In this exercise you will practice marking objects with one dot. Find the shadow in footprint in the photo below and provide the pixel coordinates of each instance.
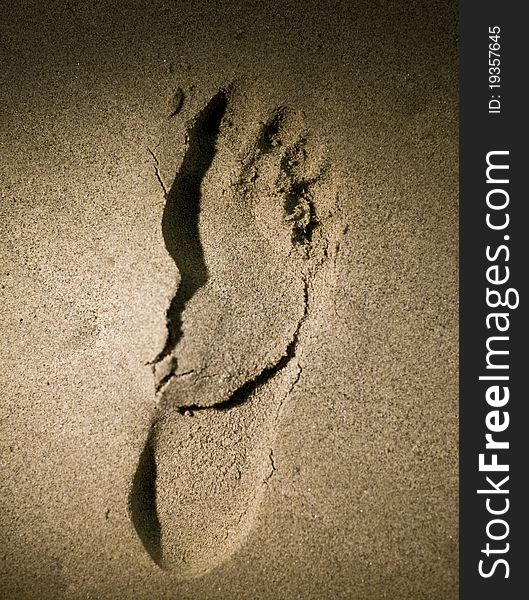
(180, 228)
(180, 224)
(142, 502)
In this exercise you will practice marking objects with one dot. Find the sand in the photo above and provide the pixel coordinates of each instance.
(229, 290)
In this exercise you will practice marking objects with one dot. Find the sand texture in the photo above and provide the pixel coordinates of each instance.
(229, 301)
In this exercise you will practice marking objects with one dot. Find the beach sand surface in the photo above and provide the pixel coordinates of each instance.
(284, 176)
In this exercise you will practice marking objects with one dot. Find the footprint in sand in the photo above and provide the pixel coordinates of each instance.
(245, 223)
